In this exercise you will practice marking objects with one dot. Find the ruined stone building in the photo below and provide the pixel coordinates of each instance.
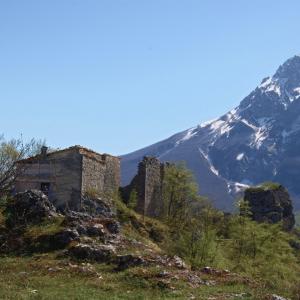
(68, 175)
(148, 186)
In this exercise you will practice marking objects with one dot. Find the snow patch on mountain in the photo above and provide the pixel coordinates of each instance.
(240, 156)
(207, 123)
(211, 166)
(189, 134)
(235, 188)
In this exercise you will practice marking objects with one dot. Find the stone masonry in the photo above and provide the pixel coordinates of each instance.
(68, 175)
(148, 186)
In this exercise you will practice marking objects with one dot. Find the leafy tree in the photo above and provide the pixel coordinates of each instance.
(180, 191)
(190, 217)
(10, 152)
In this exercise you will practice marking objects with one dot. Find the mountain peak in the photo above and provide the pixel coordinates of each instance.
(290, 68)
(257, 141)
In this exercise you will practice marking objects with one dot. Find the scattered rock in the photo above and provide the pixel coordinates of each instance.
(57, 241)
(216, 272)
(194, 280)
(95, 230)
(126, 261)
(97, 207)
(113, 226)
(164, 274)
(29, 207)
(276, 297)
(99, 253)
(179, 263)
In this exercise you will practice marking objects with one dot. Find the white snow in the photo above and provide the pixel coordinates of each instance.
(212, 168)
(271, 85)
(249, 124)
(240, 156)
(274, 88)
(236, 187)
(259, 137)
(205, 124)
(190, 133)
(297, 90)
(220, 127)
(265, 83)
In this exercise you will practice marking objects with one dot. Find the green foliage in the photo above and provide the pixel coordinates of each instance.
(48, 227)
(10, 152)
(263, 251)
(269, 185)
(180, 191)
(92, 193)
(132, 202)
(203, 236)
(198, 241)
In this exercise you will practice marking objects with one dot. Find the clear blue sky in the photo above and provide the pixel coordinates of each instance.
(117, 75)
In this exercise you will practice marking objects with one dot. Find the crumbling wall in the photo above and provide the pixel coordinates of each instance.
(112, 176)
(148, 186)
(70, 173)
(100, 174)
(62, 170)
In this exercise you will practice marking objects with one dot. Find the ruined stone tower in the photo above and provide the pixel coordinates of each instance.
(148, 186)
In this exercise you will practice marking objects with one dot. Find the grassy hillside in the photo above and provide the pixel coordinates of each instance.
(53, 275)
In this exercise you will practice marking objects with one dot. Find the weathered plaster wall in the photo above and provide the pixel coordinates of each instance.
(62, 170)
(71, 174)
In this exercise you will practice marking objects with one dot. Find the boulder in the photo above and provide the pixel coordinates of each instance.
(57, 241)
(97, 207)
(272, 204)
(29, 207)
(95, 230)
(276, 297)
(98, 253)
(126, 261)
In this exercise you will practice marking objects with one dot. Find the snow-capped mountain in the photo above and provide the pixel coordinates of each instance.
(257, 141)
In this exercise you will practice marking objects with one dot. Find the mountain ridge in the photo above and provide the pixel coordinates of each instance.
(254, 142)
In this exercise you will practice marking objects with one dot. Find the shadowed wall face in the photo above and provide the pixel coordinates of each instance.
(148, 186)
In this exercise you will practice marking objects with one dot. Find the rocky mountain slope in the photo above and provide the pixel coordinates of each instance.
(257, 141)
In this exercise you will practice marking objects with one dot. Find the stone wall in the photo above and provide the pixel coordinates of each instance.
(112, 177)
(62, 170)
(100, 175)
(71, 173)
(148, 186)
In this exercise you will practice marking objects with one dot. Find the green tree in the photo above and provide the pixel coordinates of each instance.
(180, 191)
(10, 152)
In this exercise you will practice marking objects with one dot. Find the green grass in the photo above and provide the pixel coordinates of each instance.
(48, 227)
(45, 276)
(29, 278)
